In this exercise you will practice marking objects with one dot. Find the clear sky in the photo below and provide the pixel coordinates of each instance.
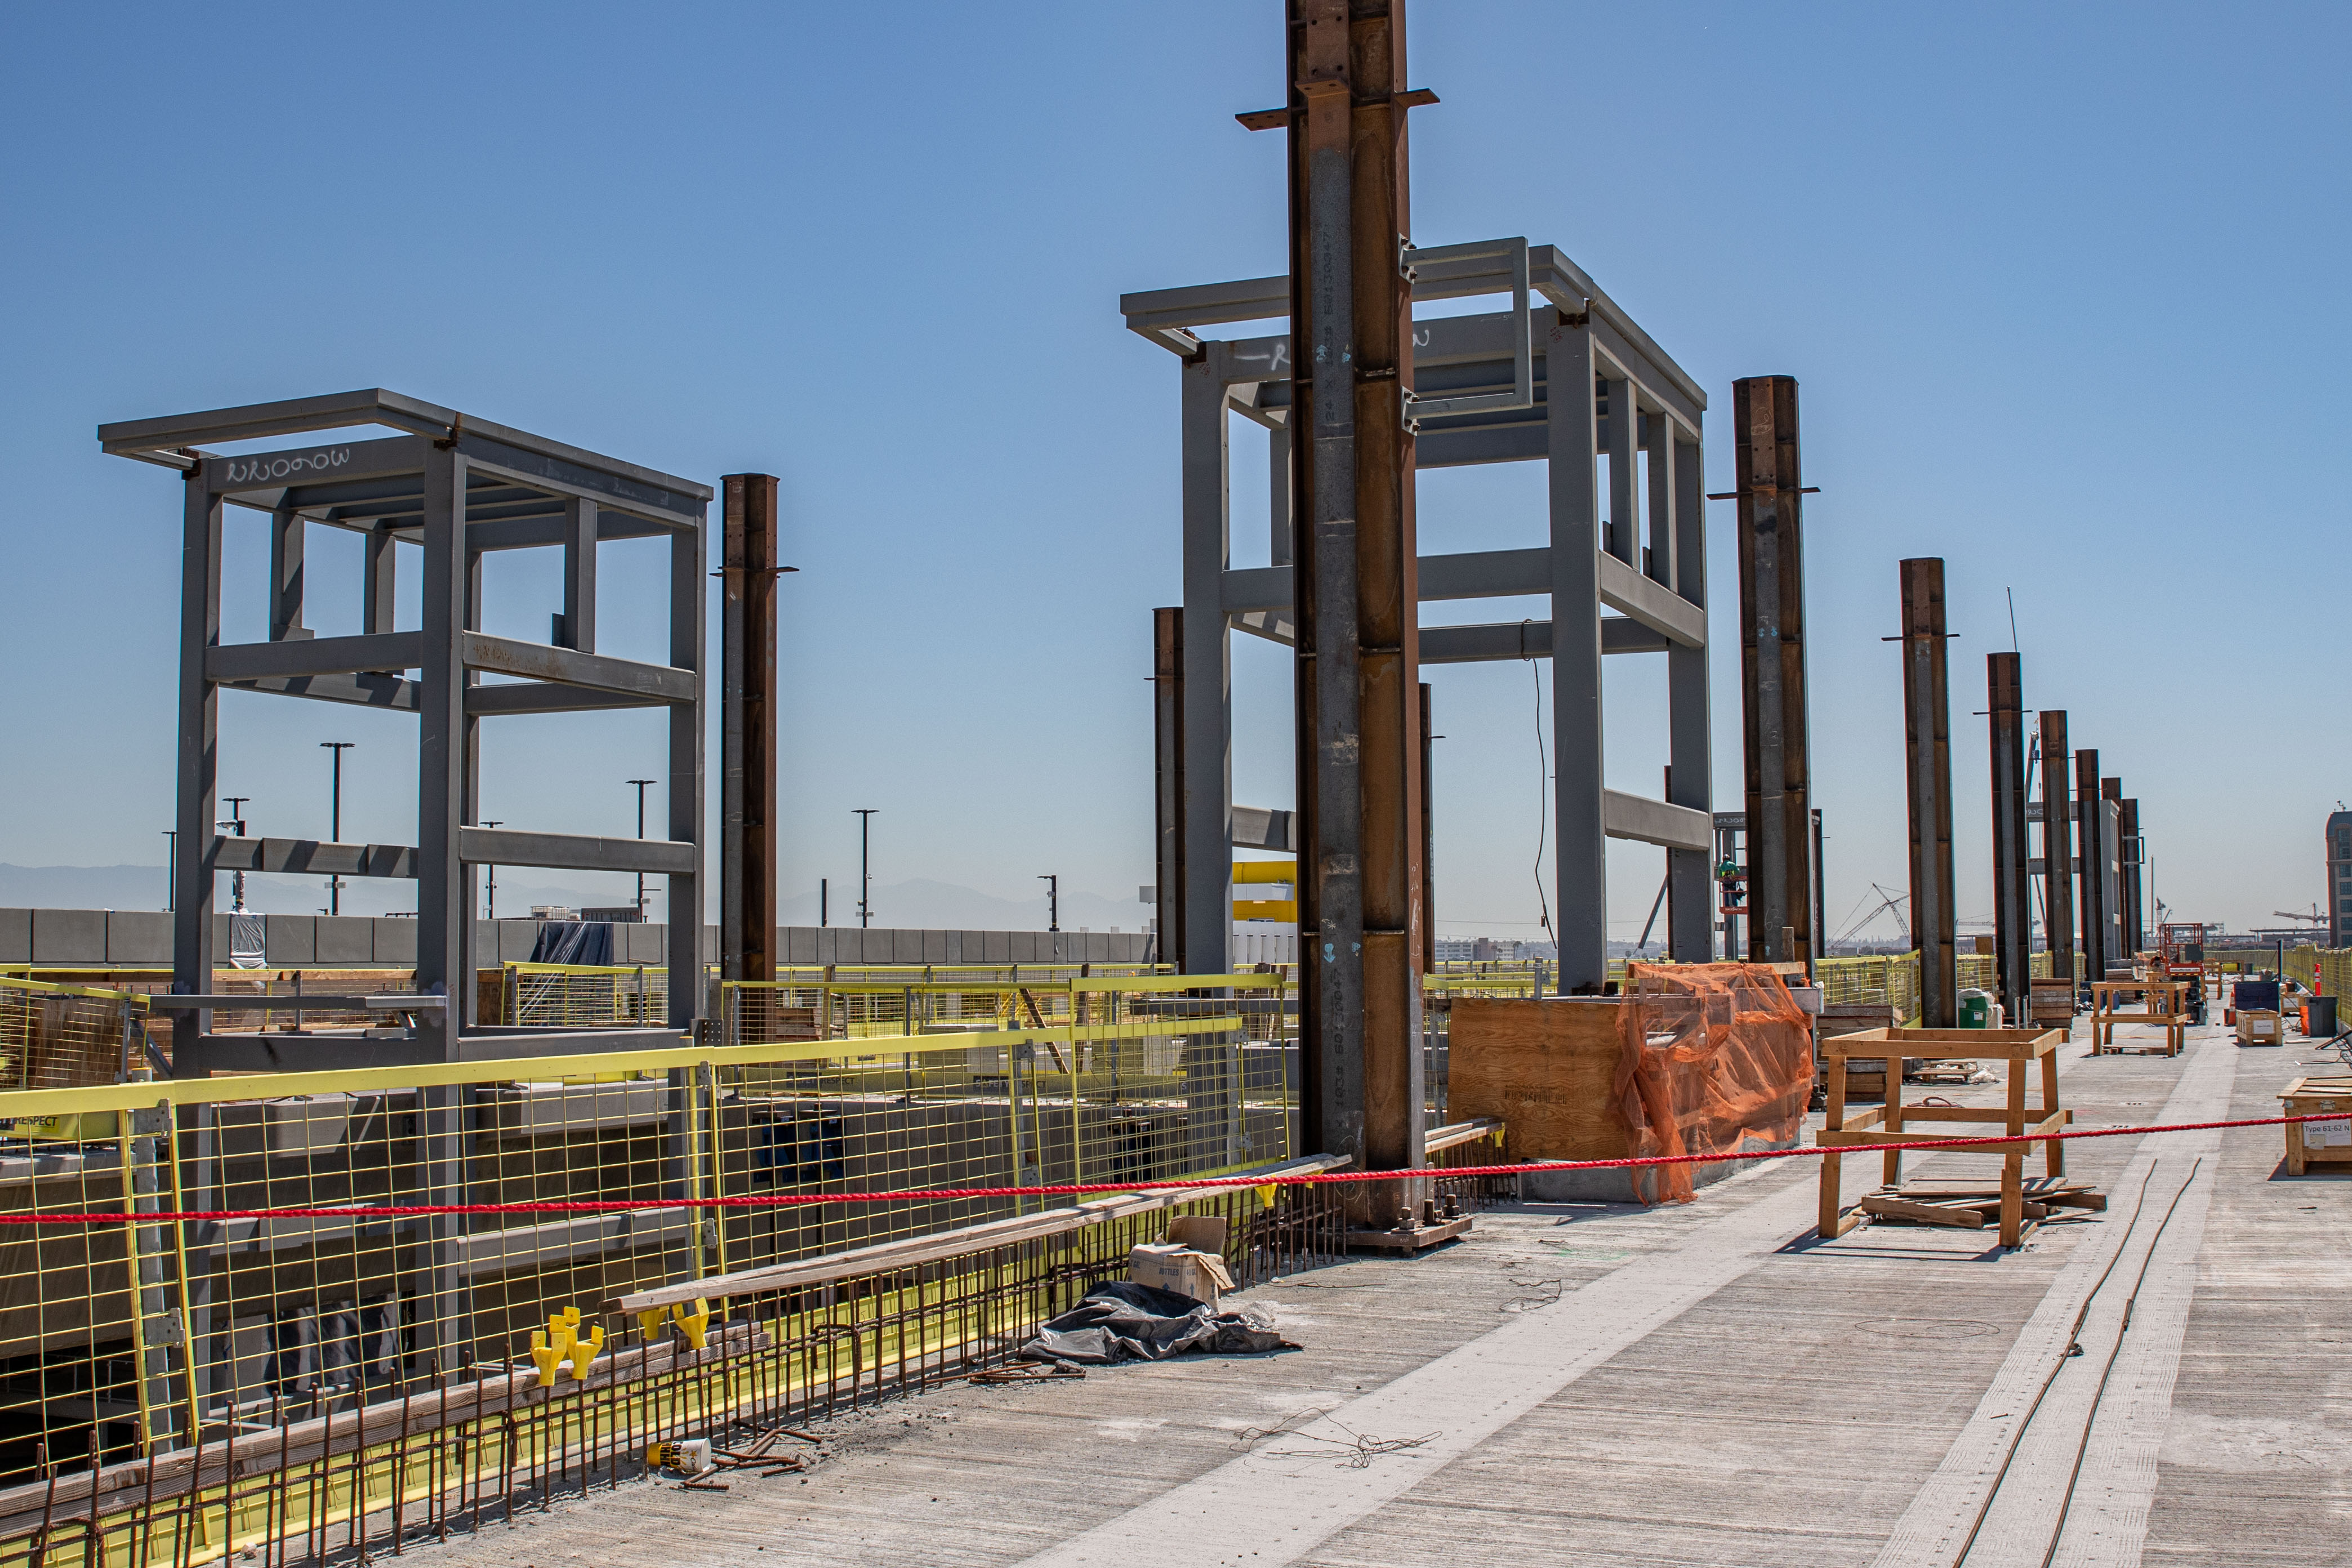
(2061, 286)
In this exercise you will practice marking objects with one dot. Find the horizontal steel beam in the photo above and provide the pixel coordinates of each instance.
(1656, 822)
(390, 692)
(158, 440)
(312, 857)
(546, 697)
(384, 652)
(1255, 828)
(1471, 574)
(594, 671)
(1652, 603)
(575, 852)
(340, 462)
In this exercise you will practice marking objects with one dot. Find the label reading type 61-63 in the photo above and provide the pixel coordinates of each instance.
(2335, 1132)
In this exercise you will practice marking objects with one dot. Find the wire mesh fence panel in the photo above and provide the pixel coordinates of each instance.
(62, 1037)
(573, 995)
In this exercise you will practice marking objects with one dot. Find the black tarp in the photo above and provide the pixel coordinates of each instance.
(572, 941)
(1126, 1321)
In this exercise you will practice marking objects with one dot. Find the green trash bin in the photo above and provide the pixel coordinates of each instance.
(1976, 1009)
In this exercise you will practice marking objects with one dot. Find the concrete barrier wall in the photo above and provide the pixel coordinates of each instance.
(142, 939)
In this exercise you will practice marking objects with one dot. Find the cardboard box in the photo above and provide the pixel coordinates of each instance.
(1191, 1262)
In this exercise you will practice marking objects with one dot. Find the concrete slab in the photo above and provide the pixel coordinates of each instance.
(395, 941)
(345, 939)
(15, 936)
(291, 941)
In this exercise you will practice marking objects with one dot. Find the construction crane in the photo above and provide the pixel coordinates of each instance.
(1889, 903)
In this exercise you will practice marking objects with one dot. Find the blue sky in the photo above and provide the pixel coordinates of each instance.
(2059, 285)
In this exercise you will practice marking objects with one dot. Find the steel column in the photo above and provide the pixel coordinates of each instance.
(1928, 768)
(576, 628)
(1581, 886)
(287, 532)
(444, 918)
(1168, 783)
(689, 559)
(1358, 684)
(1690, 781)
(1207, 689)
(381, 572)
(2012, 906)
(747, 731)
(2134, 923)
(199, 761)
(1428, 836)
(2057, 847)
(1772, 666)
(2090, 866)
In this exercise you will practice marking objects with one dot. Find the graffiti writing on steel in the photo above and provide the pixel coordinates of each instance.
(287, 464)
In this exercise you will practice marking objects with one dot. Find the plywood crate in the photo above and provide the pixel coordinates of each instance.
(2327, 1143)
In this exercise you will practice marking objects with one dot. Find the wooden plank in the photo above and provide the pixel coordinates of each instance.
(1885, 1207)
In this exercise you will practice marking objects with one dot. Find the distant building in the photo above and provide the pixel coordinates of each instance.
(2339, 879)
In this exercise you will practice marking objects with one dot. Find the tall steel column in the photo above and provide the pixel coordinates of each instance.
(1573, 430)
(1690, 781)
(1206, 692)
(1168, 781)
(1428, 836)
(1928, 771)
(199, 759)
(689, 559)
(2057, 846)
(2134, 912)
(444, 928)
(1772, 666)
(2012, 906)
(1355, 594)
(747, 729)
(2090, 872)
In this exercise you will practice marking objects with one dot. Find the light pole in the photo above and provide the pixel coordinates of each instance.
(172, 887)
(335, 821)
(641, 786)
(1053, 902)
(235, 820)
(865, 876)
(490, 887)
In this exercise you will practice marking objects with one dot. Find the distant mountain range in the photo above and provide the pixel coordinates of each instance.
(920, 903)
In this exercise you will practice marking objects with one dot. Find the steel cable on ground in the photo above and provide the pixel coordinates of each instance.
(2073, 1337)
(1080, 1189)
(2114, 1352)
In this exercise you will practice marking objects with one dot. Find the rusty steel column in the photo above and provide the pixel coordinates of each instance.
(1355, 592)
(2135, 921)
(2057, 847)
(2091, 856)
(1168, 783)
(747, 731)
(1772, 668)
(1928, 774)
(2012, 894)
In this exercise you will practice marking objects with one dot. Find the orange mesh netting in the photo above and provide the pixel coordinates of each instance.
(1717, 1057)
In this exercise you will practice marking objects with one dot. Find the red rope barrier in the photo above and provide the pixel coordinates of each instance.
(1213, 1183)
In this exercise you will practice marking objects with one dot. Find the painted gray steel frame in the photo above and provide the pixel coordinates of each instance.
(1660, 591)
(457, 488)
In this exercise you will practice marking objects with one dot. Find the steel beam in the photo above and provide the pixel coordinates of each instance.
(1168, 781)
(382, 653)
(1358, 681)
(389, 692)
(1623, 588)
(1646, 821)
(2091, 877)
(593, 671)
(1928, 771)
(311, 856)
(747, 729)
(2057, 847)
(1255, 828)
(1772, 669)
(2012, 906)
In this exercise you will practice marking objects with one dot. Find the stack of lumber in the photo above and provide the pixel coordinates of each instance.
(1968, 1204)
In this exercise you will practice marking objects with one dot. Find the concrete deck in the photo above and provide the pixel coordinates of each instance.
(1705, 1383)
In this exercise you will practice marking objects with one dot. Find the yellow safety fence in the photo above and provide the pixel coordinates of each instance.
(122, 1341)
